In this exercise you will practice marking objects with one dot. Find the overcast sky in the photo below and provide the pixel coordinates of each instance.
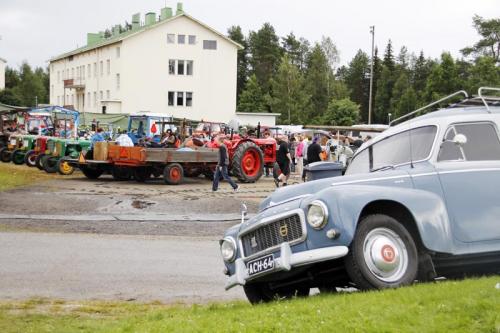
(35, 30)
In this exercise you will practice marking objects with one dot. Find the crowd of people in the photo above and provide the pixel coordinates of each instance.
(296, 151)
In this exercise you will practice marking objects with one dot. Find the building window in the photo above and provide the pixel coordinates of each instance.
(82, 71)
(88, 99)
(180, 67)
(189, 99)
(210, 44)
(95, 99)
(181, 39)
(108, 95)
(108, 66)
(101, 95)
(171, 97)
(171, 67)
(72, 73)
(189, 67)
(118, 52)
(88, 71)
(58, 100)
(180, 98)
(117, 81)
(95, 69)
(192, 39)
(101, 68)
(58, 76)
(170, 39)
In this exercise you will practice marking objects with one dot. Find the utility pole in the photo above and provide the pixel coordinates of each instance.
(372, 31)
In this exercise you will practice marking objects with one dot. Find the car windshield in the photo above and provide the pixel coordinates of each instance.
(395, 150)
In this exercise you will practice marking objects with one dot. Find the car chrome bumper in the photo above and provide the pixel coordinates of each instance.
(286, 261)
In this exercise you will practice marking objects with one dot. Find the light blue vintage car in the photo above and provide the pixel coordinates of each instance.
(420, 201)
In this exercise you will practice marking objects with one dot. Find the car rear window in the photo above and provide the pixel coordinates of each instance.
(482, 143)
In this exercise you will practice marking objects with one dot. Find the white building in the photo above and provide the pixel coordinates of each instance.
(2, 73)
(173, 65)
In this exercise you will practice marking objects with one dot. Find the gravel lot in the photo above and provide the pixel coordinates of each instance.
(76, 239)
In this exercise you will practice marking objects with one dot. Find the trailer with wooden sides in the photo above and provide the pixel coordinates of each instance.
(141, 163)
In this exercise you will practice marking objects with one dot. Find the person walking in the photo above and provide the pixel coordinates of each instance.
(284, 160)
(221, 169)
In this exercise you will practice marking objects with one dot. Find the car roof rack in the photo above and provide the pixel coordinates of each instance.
(460, 92)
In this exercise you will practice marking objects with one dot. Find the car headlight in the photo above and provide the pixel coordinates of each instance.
(317, 215)
(228, 249)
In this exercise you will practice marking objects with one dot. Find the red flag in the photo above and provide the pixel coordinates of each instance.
(153, 128)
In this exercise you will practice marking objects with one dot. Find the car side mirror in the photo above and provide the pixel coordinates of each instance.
(460, 140)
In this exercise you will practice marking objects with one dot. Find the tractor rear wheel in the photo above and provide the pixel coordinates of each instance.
(173, 174)
(49, 163)
(91, 173)
(121, 173)
(30, 158)
(18, 157)
(38, 161)
(5, 155)
(141, 174)
(248, 162)
(64, 168)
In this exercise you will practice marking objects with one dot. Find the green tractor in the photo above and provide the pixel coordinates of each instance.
(59, 151)
(17, 147)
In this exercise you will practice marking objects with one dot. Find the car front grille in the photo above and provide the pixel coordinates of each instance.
(272, 234)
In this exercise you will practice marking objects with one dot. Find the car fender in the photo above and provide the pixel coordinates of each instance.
(428, 210)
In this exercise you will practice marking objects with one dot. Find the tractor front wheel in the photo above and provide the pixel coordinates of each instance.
(38, 161)
(5, 155)
(49, 163)
(248, 162)
(173, 174)
(18, 157)
(30, 158)
(64, 168)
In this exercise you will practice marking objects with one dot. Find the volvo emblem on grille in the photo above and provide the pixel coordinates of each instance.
(283, 230)
(253, 241)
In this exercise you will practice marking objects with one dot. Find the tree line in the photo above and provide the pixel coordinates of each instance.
(304, 84)
(25, 86)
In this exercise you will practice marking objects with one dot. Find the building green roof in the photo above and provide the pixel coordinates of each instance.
(130, 33)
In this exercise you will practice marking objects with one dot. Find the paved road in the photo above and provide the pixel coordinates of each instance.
(87, 266)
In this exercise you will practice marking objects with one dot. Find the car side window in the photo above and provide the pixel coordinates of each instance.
(482, 143)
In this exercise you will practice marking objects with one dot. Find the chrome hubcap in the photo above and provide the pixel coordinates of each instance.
(385, 254)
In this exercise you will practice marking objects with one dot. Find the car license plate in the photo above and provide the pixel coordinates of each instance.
(260, 265)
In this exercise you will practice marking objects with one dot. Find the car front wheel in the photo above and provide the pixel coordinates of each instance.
(383, 254)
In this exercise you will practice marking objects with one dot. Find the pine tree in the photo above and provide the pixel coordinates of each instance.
(483, 73)
(443, 79)
(358, 82)
(289, 99)
(31, 86)
(403, 98)
(389, 57)
(252, 98)
(317, 81)
(235, 34)
(265, 55)
(489, 44)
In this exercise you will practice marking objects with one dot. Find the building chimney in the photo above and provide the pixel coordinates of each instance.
(136, 21)
(150, 18)
(179, 9)
(166, 13)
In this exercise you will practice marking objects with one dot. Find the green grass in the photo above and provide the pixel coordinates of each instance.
(12, 176)
(452, 306)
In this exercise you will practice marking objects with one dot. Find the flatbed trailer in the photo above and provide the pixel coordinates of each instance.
(140, 163)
